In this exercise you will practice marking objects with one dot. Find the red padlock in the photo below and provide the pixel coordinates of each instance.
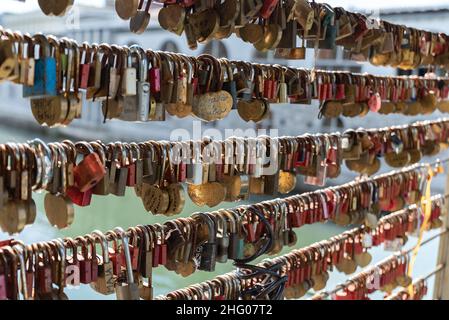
(341, 295)
(274, 90)
(81, 199)
(388, 233)
(115, 256)
(298, 275)
(358, 246)
(340, 93)
(156, 255)
(85, 262)
(267, 88)
(85, 66)
(322, 91)
(90, 170)
(308, 211)
(187, 3)
(295, 219)
(154, 74)
(6, 243)
(268, 8)
(131, 165)
(182, 171)
(331, 203)
(330, 91)
(11, 280)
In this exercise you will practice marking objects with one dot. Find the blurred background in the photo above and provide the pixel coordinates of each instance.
(96, 21)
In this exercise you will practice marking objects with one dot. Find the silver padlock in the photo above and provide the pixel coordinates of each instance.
(129, 80)
(137, 107)
(128, 290)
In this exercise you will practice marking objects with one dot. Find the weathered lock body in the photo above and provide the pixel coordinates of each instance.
(126, 290)
(209, 252)
(118, 182)
(45, 84)
(105, 282)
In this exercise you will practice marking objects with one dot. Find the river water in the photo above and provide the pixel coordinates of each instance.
(105, 213)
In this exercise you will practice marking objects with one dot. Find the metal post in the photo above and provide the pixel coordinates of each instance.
(441, 286)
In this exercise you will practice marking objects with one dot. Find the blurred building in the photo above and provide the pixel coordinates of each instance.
(102, 25)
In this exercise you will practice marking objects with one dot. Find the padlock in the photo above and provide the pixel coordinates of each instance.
(43, 273)
(154, 74)
(90, 170)
(81, 199)
(27, 63)
(163, 248)
(45, 84)
(129, 80)
(209, 252)
(137, 107)
(126, 290)
(230, 85)
(268, 8)
(102, 187)
(131, 177)
(146, 258)
(119, 174)
(19, 249)
(85, 65)
(105, 282)
(85, 262)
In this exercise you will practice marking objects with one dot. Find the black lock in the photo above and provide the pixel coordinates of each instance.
(236, 240)
(209, 250)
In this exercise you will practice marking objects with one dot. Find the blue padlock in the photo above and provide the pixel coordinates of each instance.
(45, 84)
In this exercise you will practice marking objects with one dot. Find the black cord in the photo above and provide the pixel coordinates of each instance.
(269, 238)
